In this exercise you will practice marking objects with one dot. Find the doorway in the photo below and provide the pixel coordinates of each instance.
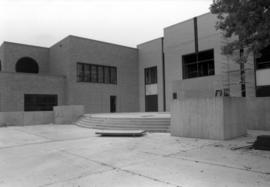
(151, 103)
(112, 103)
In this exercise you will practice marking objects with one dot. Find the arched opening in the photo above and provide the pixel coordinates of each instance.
(27, 65)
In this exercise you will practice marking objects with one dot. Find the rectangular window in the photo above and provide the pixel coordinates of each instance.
(39, 102)
(263, 62)
(87, 74)
(150, 75)
(80, 72)
(96, 73)
(106, 75)
(93, 73)
(100, 74)
(198, 65)
(113, 75)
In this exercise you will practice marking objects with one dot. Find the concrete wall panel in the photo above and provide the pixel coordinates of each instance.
(258, 113)
(211, 118)
(14, 51)
(96, 97)
(13, 86)
(67, 114)
(150, 54)
(25, 118)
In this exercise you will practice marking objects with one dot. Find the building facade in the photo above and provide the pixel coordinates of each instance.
(105, 77)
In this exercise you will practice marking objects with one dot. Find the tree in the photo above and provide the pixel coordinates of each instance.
(248, 23)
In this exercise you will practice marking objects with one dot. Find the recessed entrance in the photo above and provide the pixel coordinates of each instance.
(112, 103)
(151, 103)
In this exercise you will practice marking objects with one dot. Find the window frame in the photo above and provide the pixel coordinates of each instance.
(263, 62)
(38, 104)
(149, 71)
(197, 63)
(97, 73)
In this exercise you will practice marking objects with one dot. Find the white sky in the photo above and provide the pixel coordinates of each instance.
(125, 22)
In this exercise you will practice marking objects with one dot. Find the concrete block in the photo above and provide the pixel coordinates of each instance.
(40, 117)
(257, 113)
(211, 118)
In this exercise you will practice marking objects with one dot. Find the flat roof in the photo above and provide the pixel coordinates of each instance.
(188, 20)
(28, 45)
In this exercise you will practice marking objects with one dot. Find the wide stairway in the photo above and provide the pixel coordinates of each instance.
(151, 122)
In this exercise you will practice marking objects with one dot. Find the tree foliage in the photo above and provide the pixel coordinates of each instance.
(248, 21)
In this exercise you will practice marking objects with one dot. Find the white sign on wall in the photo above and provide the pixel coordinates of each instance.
(151, 89)
(263, 77)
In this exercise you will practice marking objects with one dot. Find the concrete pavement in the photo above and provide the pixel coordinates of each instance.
(67, 155)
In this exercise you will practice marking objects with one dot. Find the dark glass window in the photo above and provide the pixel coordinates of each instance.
(39, 102)
(80, 71)
(96, 73)
(113, 75)
(150, 75)
(100, 74)
(263, 62)
(86, 76)
(27, 65)
(93, 73)
(198, 65)
(106, 75)
(263, 91)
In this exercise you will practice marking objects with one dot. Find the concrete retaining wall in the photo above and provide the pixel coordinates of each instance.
(60, 115)
(212, 118)
(67, 114)
(258, 113)
(25, 118)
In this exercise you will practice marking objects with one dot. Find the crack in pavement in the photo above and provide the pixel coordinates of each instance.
(43, 142)
(121, 169)
(77, 177)
(26, 132)
(209, 163)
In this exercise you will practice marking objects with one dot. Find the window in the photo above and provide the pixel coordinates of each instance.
(100, 74)
(150, 75)
(106, 75)
(39, 102)
(93, 73)
(263, 62)
(113, 75)
(174, 95)
(27, 65)
(263, 91)
(80, 72)
(198, 65)
(96, 73)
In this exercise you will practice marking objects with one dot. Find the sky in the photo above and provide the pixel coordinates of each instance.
(124, 22)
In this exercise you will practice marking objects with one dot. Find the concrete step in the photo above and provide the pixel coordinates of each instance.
(126, 126)
(122, 123)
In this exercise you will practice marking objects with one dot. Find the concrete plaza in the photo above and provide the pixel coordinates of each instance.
(67, 155)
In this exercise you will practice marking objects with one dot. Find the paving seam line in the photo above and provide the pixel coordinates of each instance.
(208, 163)
(43, 142)
(26, 132)
(123, 170)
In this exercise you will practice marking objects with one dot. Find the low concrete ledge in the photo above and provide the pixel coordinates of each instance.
(217, 118)
(25, 118)
(59, 115)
